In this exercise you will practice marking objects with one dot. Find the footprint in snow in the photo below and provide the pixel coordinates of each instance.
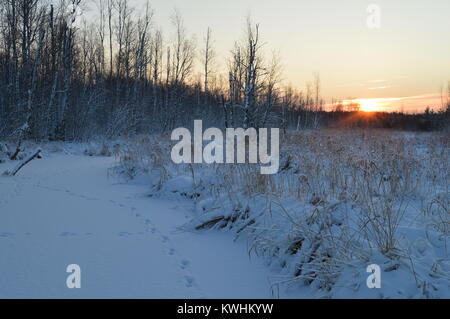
(87, 197)
(6, 235)
(189, 280)
(116, 203)
(66, 234)
(184, 263)
(124, 233)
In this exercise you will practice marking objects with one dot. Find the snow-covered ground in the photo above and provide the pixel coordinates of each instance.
(140, 226)
(64, 209)
(334, 208)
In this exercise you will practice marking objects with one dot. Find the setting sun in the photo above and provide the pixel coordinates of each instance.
(368, 105)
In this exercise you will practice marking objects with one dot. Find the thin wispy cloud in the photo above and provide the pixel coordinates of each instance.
(378, 88)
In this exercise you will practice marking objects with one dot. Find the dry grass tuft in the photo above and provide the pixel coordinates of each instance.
(339, 195)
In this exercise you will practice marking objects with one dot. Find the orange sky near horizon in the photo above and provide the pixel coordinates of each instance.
(406, 104)
(403, 65)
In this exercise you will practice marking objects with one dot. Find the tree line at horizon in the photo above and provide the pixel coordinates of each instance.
(62, 78)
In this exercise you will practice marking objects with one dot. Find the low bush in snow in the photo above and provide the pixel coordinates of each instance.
(342, 200)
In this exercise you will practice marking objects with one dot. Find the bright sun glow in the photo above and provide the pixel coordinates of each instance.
(369, 105)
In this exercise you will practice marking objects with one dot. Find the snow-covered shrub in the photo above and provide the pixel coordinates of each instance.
(100, 148)
(3, 153)
(341, 201)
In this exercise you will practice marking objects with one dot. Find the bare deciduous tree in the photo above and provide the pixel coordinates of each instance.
(209, 56)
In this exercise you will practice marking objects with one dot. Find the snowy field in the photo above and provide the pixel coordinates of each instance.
(63, 209)
(140, 226)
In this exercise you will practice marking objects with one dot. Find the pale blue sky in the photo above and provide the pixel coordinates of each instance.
(408, 56)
